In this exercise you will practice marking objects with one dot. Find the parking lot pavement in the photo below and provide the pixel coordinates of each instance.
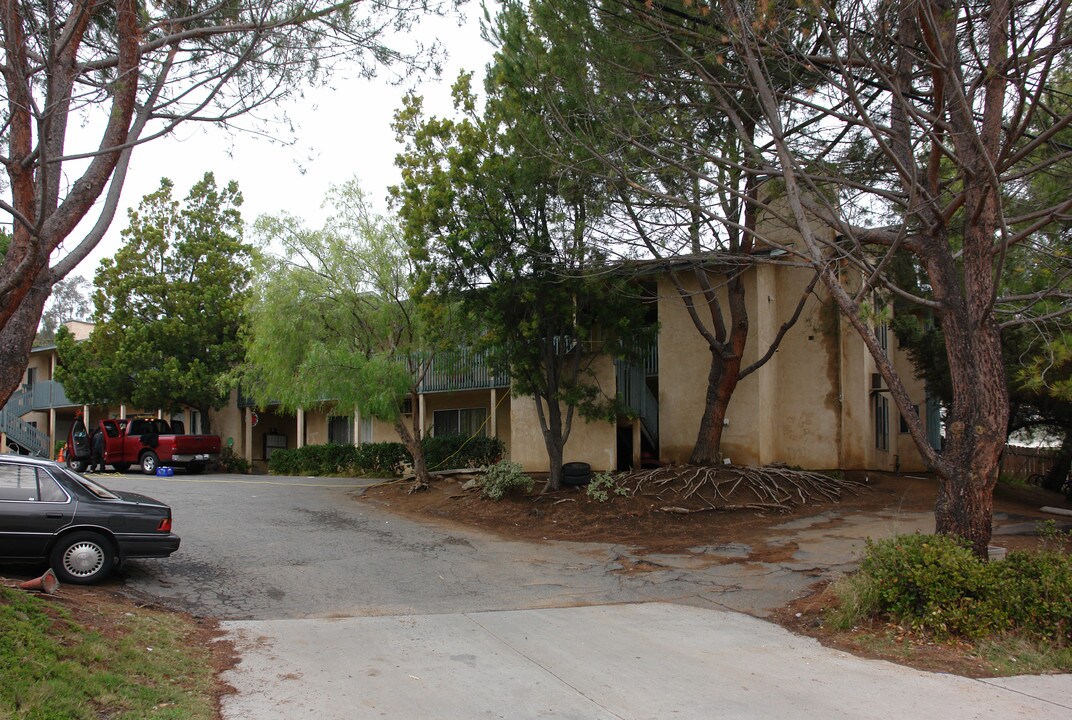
(651, 660)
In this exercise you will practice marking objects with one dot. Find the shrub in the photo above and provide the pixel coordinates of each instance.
(447, 452)
(231, 462)
(381, 459)
(603, 485)
(503, 478)
(934, 583)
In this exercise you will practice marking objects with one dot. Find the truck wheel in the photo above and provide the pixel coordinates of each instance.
(121, 467)
(82, 558)
(149, 462)
(77, 465)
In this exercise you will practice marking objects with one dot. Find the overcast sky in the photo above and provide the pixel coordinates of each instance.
(341, 132)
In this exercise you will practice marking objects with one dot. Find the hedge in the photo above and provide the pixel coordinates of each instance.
(385, 459)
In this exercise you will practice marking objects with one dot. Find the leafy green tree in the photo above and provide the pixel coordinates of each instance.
(168, 306)
(333, 319)
(514, 238)
(911, 122)
(132, 72)
(685, 185)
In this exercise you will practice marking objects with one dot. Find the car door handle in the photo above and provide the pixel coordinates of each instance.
(53, 515)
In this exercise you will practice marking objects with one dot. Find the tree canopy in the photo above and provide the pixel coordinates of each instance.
(168, 306)
(334, 319)
(514, 237)
(84, 83)
(880, 128)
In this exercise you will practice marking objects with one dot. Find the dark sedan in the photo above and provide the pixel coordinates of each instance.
(81, 528)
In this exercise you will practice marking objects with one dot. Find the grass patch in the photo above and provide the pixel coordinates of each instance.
(118, 661)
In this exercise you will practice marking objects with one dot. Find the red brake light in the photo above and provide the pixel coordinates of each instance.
(164, 526)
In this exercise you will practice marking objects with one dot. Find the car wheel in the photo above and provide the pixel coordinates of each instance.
(121, 467)
(82, 558)
(149, 462)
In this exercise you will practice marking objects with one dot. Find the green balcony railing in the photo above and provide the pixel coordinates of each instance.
(463, 369)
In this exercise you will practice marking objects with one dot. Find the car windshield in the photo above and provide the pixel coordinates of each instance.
(98, 490)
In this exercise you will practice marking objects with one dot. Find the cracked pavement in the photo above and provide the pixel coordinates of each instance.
(342, 610)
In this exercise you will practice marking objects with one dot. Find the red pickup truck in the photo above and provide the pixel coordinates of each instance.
(148, 442)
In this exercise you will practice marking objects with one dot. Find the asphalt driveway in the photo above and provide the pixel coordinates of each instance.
(342, 610)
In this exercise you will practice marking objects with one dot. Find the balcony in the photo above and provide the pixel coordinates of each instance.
(463, 369)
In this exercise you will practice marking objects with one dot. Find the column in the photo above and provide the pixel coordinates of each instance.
(357, 428)
(123, 412)
(493, 417)
(301, 428)
(247, 434)
(636, 444)
(421, 415)
(52, 433)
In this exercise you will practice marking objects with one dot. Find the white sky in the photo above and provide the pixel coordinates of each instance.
(342, 132)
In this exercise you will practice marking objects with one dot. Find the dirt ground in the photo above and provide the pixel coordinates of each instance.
(652, 521)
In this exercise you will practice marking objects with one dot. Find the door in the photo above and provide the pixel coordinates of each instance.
(33, 507)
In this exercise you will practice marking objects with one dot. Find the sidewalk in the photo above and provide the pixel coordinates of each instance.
(651, 660)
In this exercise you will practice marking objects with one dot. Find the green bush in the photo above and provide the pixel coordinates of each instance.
(504, 477)
(383, 458)
(231, 462)
(603, 485)
(934, 583)
(448, 452)
(378, 459)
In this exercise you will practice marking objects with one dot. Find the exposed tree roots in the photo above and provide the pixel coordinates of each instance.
(692, 488)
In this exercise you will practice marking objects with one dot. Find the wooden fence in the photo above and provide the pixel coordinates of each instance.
(1023, 462)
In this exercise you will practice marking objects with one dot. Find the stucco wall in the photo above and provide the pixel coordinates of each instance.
(591, 442)
(810, 405)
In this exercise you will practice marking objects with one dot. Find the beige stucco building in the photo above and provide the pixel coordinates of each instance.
(818, 403)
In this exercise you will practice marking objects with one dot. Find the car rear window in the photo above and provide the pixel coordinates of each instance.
(18, 482)
(98, 490)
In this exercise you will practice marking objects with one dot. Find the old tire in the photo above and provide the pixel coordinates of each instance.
(121, 467)
(576, 473)
(82, 558)
(149, 462)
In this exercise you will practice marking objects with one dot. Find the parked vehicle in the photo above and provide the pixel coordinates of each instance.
(83, 530)
(147, 442)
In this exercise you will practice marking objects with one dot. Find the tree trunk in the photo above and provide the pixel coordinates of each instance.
(721, 382)
(554, 442)
(975, 428)
(17, 334)
(724, 375)
(421, 478)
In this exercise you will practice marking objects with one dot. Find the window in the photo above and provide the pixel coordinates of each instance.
(18, 482)
(882, 422)
(50, 490)
(904, 422)
(466, 421)
(364, 433)
(339, 430)
(882, 332)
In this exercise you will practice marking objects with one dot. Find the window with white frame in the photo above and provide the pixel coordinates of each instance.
(463, 421)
